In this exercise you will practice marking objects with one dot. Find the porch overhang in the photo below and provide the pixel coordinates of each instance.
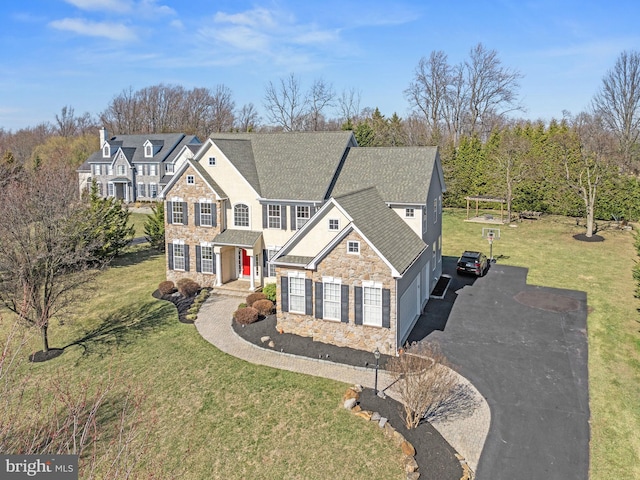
(237, 238)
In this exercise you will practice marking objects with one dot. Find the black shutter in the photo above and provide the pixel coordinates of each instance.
(186, 258)
(344, 303)
(386, 308)
(185, 213)
(284, 293)
(308, 294)
(214, 214)
(357, 307)
(169, 211)
(294, 223)
(198, 258)
(283, 217)
(170, 255)
(196, 219)
(265, 257)
(319, 299)
(264, 216)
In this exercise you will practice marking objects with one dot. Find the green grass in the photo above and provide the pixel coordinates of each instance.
(137, 220)
(208, 414)
(603, 270)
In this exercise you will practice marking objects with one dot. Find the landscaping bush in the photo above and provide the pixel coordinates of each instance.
(167, 287)
(264, 307)
(245, 316)
(187, 287)
(254, 297)
(242, 305)
(269, 291)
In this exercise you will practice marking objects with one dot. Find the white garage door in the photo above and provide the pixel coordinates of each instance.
(409, 308)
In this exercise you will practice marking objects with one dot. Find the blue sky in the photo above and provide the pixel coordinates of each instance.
(82, 53)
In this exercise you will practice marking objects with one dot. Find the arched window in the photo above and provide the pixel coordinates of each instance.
(241, 215)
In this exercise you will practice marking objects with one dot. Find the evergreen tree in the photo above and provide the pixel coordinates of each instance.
(154, 227)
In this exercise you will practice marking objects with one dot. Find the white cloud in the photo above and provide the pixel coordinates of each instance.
(113, 31)
(119, 6)
(177, 24)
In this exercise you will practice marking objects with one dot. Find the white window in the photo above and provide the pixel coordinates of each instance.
(89, 184)
(334, 224)
(106, 151)
(212, 161)
(273, 216)
(331, 299)
(191, 180)
(100, 190)
(97, 169)
(109, 169)
(353, 247)
(153, 169)
(168, 168)
(206, 214)
(120, 170)
(241, 215)
(296, 294)
(270, 254)
(148, 151)
(303, 213)
(153, 190)
(110, 189)
(206, 258)
(372, 305)
(435, 210)
(177, 212)
(178, 256)
(141, 189)
(409, 212)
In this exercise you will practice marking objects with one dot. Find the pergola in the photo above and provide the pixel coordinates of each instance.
(486, 199)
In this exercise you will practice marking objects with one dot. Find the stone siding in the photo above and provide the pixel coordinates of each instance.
(191, 234)
(352, 270)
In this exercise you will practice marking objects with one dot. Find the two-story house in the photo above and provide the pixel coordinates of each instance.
(136, 167)
(351, 235)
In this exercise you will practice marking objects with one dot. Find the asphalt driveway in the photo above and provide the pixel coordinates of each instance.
(525, 349)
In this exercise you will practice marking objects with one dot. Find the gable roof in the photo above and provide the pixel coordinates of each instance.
(170, 143)
(203, 174)
(401, 174)
(387, 232)
(306, 160)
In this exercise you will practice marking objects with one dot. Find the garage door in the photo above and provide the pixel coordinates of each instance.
(409, 309)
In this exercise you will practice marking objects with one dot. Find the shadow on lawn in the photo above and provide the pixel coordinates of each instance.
(134, 255)
(121, 328)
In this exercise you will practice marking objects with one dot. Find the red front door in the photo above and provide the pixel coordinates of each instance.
(246, 264)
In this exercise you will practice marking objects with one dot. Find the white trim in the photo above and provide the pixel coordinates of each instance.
(336, 306)
(233, 215)
(331, 280)
(191, 179)
(176, 199)
(355, 243)
(329, 220)
(187, 163)
(302, 277)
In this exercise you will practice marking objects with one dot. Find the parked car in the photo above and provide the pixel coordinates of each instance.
(473, 262)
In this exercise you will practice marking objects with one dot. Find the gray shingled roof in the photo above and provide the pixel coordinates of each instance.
(401, 174)
(239, 152)
(293, 165)
(294, 260)
(393, 238)
(171, 145)
(239, 238)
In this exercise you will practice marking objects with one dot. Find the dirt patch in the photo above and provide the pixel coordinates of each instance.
(547, 301)
(41, 356)
(581, 237)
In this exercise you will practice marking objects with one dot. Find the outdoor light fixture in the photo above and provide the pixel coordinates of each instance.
(376, 353)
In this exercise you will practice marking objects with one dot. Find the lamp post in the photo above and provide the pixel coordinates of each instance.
(376, 353)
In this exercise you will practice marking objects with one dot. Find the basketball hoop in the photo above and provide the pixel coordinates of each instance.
(491, 234)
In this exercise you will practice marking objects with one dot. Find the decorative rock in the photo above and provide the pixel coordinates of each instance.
(407, 448)
(265, 339)
(356, 409)
(413, 476)
(357, 388)
(351, 393)
(389, 430)
(375, 416)
(410, 464)
(383, 422)
(398, 438)
(271, 344)
(364, 414)
(350, 403)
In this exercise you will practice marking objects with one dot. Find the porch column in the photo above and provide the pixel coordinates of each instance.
(218, 270)
(252, 263)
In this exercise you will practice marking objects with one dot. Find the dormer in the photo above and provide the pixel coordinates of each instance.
(106, 150)
(152, 147)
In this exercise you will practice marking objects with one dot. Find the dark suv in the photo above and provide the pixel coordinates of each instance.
(473, 262)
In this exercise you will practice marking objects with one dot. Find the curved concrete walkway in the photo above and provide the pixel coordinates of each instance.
(467, 435)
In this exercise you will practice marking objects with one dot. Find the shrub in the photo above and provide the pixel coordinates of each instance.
(269, 291)
(191, 317)
(167, 287)
(242, 305)
(264, 307)
(245, 316)
(187, 287)
(254, 297)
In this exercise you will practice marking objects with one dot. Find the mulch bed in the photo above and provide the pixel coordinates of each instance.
(441, 287)
(582, 237)
(182, 304)
(41, 356)
(434, 455)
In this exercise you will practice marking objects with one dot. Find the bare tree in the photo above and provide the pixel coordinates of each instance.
(618, 103)
(321, 96)
(66, 122)
(492, 88)
(349, 106)
(286, 104)
(455, 104)
(222, 106)
(44, 256)
(247, 119)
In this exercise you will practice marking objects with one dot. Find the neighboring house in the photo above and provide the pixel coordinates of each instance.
(352, 236)
(136, 167)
